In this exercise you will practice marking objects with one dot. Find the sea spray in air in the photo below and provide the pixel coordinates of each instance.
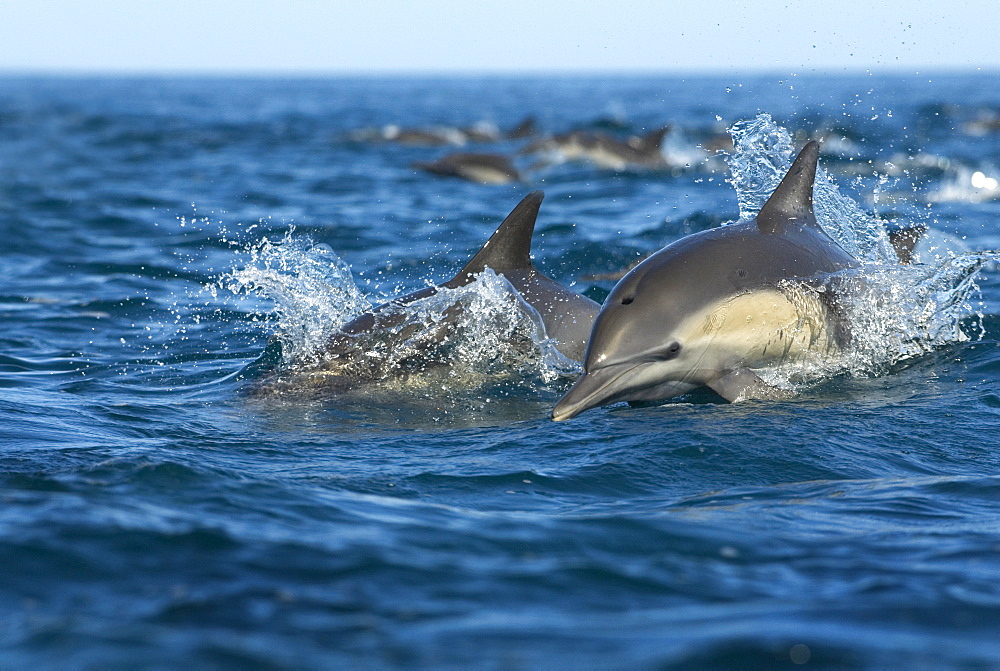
(902, 311)
(763, 150)
(312, 290)
(893, 311)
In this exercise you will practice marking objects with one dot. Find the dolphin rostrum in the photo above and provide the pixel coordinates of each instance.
(566, 315)
(710, 307)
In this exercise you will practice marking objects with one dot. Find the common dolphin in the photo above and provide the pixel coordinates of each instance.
(522, 130)
(566, 315)
(708, 308)
(415, 137)
(481, 168)
(607, 151)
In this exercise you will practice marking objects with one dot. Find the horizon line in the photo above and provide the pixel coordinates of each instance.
(329, 73)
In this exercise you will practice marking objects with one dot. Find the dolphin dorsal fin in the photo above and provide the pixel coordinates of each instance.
(904, 241)
(654, 138)
(509, 248)
(793, 199)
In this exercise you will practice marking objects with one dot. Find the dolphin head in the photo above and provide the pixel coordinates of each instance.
(650, 339)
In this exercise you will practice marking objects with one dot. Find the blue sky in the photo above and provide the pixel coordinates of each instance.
(374, 36)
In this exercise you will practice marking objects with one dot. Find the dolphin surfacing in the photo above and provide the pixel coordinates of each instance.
(474, 167)
(710, 307)
(566, 315)
(606, 151)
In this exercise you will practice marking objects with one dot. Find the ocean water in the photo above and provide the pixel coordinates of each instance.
(177, 487)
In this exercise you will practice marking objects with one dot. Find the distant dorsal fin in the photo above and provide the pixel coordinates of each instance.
(793, 199)
(654, 138)
(651, 141)
(524, 129)
(509, 248)
(904, 241)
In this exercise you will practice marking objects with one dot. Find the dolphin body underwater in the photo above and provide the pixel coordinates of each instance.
(710, 307)
(566, 315)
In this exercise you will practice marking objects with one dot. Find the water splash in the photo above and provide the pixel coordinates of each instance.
(455, 338)
(894, 311)
(763, 152)
(312, 289)
(898, 312)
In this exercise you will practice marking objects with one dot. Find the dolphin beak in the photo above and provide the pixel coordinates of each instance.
(592, 389)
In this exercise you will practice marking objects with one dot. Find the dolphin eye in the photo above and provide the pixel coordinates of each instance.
(667, 353)
(671, 350)
(628, 299)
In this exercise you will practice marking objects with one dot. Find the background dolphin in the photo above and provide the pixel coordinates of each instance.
(606, 151)
(474, 167)
(567, 316)
(706, 309)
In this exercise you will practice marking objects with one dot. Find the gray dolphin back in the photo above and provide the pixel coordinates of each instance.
(567, 316)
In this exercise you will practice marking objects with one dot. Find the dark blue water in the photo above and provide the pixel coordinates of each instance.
(159, 509)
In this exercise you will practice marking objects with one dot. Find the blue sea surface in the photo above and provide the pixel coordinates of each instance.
(161, 507)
